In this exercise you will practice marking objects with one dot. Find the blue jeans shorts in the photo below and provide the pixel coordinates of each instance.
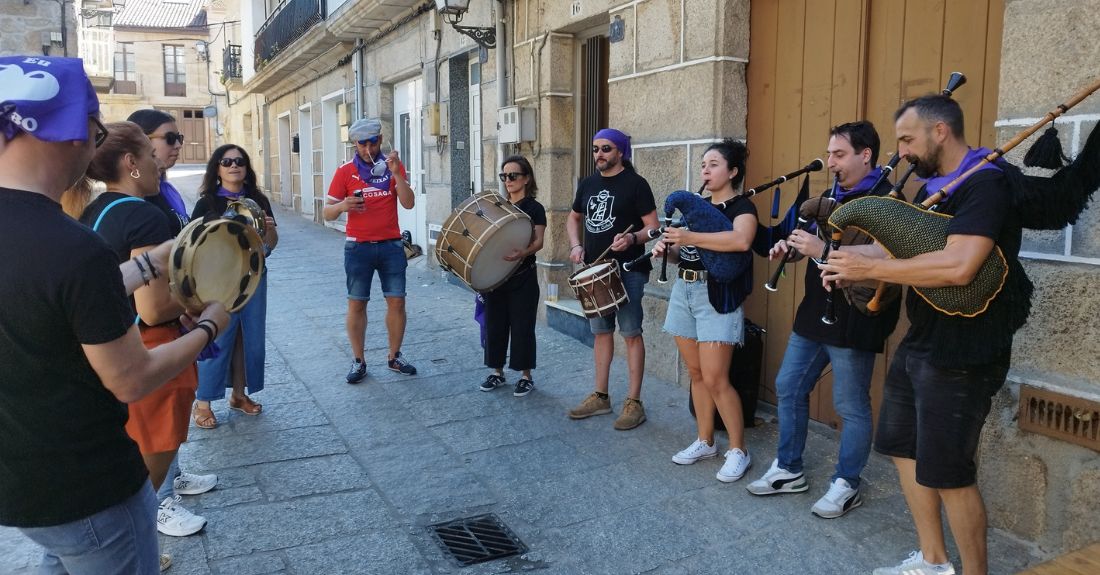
(362, 259)
(630, 314)
(691, 315)
(935, 417)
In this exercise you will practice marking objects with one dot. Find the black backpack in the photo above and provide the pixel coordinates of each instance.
(744, 375)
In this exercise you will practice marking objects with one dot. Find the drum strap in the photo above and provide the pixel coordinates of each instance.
(99, 220)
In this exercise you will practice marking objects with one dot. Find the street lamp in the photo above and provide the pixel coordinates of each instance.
(454, 10)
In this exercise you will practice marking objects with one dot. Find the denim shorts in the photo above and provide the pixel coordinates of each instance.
(935, 416)
(691, 315)
(630, 314)
(362, 259)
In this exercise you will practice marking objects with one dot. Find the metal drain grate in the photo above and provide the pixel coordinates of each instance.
(477, 539)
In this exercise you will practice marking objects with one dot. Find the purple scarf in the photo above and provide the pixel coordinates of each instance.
(172, 196)
(862, 186)
(381, 182)
(224, 193)
(973, 157)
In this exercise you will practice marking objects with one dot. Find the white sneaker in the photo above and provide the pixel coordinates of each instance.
(916, 565)
(174, 520)
(694, 452)
(840, 499)
(778, 480)
(737, 463)
(192, 484)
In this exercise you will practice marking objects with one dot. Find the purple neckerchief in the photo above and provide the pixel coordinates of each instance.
(862, 186)
(973, 157)
(48, 98)
(172, 196)
(211, 351)
(381, 182)
(224, 193)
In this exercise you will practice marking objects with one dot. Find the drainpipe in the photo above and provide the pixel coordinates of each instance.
(266, 130)
(502, 86)
(359, 81)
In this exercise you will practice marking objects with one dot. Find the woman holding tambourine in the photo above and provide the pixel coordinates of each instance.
(705, 316)
(240, 365)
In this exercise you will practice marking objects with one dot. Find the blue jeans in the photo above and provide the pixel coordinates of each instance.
(630, 314)
(246, 328)
(802, 365)
(119, 539)
(362, 259)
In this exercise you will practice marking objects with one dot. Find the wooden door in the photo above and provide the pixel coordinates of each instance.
(818, 63)
(193, 127)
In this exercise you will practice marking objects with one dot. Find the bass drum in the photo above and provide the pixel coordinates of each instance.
(476, 237)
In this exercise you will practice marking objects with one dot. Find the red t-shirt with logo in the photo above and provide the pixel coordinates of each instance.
(378, 219)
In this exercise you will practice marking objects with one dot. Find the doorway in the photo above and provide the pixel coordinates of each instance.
(286, 183)
(408, 108)
(305, 159)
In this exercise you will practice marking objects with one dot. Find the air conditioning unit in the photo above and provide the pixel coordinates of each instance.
(515, 125)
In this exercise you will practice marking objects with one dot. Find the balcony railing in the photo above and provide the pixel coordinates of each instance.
(231, 63)
(290, 21)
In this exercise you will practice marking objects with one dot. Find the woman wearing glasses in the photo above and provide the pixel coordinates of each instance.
(158, 422)
(705, 315)
(167, 142)
(510, 309)
(229, 176)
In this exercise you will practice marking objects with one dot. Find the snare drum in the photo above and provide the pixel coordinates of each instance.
(476, 237)
(599, 288)
(220, 260)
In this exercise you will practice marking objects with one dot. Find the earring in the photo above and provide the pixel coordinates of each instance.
(135, 174)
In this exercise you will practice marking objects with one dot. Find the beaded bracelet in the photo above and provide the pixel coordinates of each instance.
(144, 274)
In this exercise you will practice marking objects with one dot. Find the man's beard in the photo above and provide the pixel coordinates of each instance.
(928, 165)
(608, 165)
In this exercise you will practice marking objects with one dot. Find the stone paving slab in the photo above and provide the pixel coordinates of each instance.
(341, 479)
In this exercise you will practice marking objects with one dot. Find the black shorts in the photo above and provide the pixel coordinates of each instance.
(935, 416)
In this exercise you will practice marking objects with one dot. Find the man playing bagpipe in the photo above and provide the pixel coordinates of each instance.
(943, 375)
(849, 344)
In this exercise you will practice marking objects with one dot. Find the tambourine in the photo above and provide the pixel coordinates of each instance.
(247, 211)
(219, 260)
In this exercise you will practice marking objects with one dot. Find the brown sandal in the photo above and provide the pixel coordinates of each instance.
(245, 406)
(204, 417)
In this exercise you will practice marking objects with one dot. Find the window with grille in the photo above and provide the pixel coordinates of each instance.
(125, 69)
(175, 74)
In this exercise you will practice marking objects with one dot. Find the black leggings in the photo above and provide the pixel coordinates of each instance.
(510, 310)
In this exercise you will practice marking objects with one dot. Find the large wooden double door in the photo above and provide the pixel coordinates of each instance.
(817, 63)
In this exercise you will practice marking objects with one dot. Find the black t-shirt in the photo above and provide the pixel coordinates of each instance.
(980, 206)
(609, 205)
(853, 329)
(212, 204)
(689, 255)
(537, 213)
(64, 451)
(128, 225)
(175, 221)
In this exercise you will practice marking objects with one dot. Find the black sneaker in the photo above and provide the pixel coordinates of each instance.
(358, 371)
(523, 387)
(399, 365)
(492, 382)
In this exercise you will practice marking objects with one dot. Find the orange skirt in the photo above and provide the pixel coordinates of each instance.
(159, 421)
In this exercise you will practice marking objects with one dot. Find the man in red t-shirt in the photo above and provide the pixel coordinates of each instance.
(367, 189)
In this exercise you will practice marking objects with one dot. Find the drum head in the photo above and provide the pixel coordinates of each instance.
(591, 271)
(490, 269)
(221, 260)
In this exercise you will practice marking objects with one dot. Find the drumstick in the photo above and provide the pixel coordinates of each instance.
(626, 231)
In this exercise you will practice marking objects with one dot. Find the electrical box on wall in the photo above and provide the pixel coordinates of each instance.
(515, 125)
(437, 119)
(342, 114)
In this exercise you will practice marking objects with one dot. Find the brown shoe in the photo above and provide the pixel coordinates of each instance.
(592, 405)
(165, 562)
(204, 417)
(632, 416)
(245, 405)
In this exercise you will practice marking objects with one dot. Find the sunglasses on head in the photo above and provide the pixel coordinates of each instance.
(370, 140)
(100, 133)
(172, 138)
(226, 162)
(604, 148)
(510, 176)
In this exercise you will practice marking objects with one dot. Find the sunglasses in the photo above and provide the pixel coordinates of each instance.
(226, 162)
(370, 140)
(172, 138)
(100, 133)
(604, 148)
(510, 176)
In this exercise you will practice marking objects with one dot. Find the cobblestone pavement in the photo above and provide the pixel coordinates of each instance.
(334, 478)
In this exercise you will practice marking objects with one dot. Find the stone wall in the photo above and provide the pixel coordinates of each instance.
(25, 25)
(1042, 489)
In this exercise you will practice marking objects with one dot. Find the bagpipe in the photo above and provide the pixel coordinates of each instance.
(906, 230)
